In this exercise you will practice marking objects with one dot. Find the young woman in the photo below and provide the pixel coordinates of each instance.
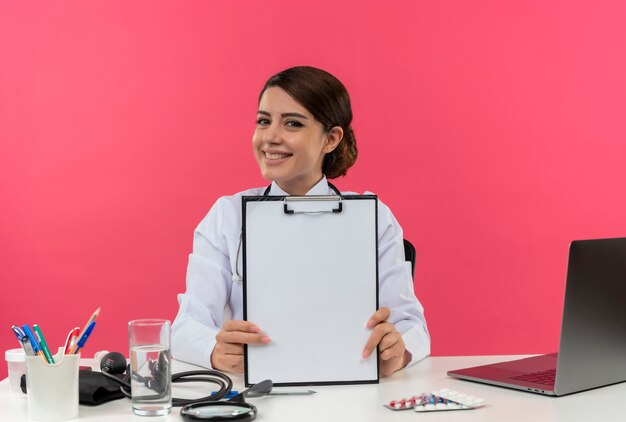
(302, 138)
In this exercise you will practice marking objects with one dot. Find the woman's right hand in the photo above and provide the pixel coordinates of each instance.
(228, 351)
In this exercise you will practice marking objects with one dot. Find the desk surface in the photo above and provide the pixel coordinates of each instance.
(364, 402)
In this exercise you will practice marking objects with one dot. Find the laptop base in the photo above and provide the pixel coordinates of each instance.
(503, 374)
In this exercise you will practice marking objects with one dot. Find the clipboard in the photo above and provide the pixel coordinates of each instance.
(310, 281)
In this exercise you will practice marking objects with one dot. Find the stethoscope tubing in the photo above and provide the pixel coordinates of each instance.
(223, 381)
(238, 277)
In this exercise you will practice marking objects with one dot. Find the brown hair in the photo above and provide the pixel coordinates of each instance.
(325, 97)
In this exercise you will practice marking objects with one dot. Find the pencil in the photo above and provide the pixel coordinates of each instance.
(92, 319)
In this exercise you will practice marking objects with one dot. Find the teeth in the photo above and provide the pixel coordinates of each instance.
(275, 156)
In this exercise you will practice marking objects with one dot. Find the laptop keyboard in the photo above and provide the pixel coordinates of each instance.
(542, 377)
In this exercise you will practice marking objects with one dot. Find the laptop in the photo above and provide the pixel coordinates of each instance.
(592, 350)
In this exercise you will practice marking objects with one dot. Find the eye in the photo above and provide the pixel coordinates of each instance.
(293, 124)
(262, 121)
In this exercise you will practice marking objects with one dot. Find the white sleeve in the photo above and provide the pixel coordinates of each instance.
(396, 287)
(201, 311)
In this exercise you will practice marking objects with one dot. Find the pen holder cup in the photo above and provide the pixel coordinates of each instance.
(52, 388)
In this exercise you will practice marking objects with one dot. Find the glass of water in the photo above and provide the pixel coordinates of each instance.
(150, 366)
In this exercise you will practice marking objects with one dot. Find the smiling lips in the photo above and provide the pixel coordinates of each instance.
(276, 156)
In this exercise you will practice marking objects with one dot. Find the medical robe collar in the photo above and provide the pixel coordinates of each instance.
(321, 188)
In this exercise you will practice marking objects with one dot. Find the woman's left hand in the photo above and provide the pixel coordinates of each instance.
(393, 353)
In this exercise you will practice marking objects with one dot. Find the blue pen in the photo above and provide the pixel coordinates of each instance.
(18, 333)
(83, 338)
(33, 340)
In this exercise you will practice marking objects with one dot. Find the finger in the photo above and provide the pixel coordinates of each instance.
(229, 348)
(389, 341)
(379, 316)
(230, 363)
(241, 337)
(238, 369)
(237, 325)
(388, 367)
(377, 334)
(395, 351)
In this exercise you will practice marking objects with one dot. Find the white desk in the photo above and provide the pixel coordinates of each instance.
(364, 402)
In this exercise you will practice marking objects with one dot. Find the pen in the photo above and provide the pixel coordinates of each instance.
(83, 338)
(71, 338)
(33, 341)
(280, 392)
(18, 333)
(28, 349)
(72, 346)
(42, 342)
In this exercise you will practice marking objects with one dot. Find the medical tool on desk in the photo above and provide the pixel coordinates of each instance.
(234, 409)
(114, 366)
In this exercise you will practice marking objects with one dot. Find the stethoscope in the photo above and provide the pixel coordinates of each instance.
(237, 276)
(209, 408)
(114, 367)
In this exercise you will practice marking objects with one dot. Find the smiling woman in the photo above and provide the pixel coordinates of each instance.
(302, 138)
(314, 104)
(290, 144)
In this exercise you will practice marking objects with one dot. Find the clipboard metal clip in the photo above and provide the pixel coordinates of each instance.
(313, 199)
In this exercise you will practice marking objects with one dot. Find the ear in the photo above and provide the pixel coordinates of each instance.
(333, 138)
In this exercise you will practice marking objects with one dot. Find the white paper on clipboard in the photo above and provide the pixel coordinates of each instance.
(311, 284)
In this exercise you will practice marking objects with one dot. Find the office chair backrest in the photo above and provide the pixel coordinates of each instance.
(409, 255)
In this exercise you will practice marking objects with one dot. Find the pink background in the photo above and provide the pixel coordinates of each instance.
(494, 130)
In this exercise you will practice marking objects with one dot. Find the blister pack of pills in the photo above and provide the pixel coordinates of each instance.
(442, 399)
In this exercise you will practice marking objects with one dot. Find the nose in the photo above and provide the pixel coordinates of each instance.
(272, 134)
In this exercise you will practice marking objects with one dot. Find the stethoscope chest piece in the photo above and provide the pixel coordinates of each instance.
(235, 409)
(219, 411)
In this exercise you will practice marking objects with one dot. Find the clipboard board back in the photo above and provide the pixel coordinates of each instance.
(310, 281)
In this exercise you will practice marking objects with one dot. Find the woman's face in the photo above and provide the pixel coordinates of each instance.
(289, 144)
